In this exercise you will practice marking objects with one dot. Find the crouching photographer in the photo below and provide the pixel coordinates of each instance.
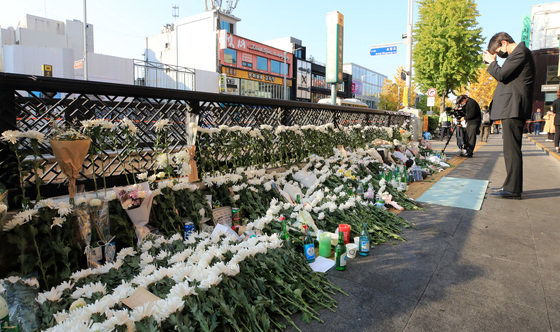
(469, 110)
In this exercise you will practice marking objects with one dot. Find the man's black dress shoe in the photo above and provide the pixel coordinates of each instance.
(506, 194)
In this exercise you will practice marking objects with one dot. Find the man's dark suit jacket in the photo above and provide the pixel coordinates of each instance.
(513, 96)
(472, 111)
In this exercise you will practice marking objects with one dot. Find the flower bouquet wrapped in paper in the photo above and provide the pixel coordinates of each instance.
(191, 129)
(70, 149)
(137, 200)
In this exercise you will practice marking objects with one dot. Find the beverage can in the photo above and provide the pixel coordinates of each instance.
(236, 216)
(188, 229)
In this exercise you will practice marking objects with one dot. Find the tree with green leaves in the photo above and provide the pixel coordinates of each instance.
(448, 45)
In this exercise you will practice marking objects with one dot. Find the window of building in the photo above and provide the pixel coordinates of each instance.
(262, 63)
(226, 26)
(247, 64)
(230, 56)
(276, 66)
(552, 74)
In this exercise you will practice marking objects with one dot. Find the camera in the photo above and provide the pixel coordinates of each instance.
(458, 112)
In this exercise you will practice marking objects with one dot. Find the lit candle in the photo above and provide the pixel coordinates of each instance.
(345, 228)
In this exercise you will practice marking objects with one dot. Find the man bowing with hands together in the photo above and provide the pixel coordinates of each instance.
(512, 103)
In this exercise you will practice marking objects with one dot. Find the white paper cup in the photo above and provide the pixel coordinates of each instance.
(351, 250)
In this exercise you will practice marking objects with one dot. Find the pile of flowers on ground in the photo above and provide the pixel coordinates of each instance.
(203, 283)
(197, 279)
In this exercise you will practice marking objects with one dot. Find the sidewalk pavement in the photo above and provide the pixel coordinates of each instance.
(542, 143)
(464, 270)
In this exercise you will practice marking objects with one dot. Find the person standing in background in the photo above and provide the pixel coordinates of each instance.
(511, 103)
(473, 118)
(537, 118)
(445, 123)
(486, 123)
(496, 126)
(549, 129)
(556, 110)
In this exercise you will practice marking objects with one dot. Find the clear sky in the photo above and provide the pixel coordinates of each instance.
(120, 26)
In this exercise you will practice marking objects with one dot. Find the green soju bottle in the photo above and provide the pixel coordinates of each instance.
(340, 253)
(404, 185)
(284, 235)
(308, 246)
(363, 248)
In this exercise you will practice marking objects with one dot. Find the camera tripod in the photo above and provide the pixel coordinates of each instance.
(458, 131)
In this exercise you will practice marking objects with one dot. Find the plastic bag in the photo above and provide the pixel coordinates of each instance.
(22, 304)
(293, 191)
(306, 179)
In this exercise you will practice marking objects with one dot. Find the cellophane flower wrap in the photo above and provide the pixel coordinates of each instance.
(70, 152)
(137, 200)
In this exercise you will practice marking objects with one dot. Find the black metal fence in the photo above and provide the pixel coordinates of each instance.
(31, 103)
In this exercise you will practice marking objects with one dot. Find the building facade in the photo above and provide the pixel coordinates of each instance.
(545, 31)
(208, 43)
(366, 84)
(301, 68)
(320, 89)
(39, 41)
(253, 69)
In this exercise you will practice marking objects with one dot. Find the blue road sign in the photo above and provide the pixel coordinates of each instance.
(383, 50)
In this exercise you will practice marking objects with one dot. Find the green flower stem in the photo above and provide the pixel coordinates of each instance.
(38, 181)
(24, 199)
(40, 261)
(92, 160)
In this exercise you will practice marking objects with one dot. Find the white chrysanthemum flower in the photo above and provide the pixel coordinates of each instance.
(11, 136)
(34, 134)
(58, 221)
(63, 208)
(162, 161)
(126, 252)
(162, 255)
(161, 124)
(142, 312)
(129, 125)
(146, 259)
(181, 157)
(60, 316)
(19, 219)
(142, 176)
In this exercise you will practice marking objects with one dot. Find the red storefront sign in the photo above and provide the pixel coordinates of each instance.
(246, 53)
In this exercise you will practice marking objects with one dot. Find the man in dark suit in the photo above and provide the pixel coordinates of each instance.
(473, 117)
(511, 104)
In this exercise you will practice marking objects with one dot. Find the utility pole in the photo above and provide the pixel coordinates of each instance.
(284, 71)
(175, 14)
(409, 54)
(85, 59)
